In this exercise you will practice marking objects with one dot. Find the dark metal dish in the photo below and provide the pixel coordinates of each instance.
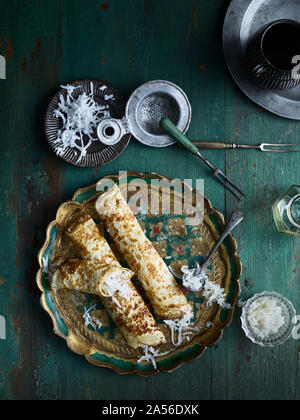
(264, 50)
(243, 20)
(98, 154)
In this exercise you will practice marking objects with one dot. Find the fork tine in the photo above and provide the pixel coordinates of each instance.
(265, 148)
(229, 182)
(280, 151)
(279, 144)
(229, 189)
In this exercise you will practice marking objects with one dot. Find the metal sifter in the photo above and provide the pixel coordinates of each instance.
(145, 108)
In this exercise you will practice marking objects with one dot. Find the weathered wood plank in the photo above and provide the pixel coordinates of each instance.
(128, 43)
(270, 258)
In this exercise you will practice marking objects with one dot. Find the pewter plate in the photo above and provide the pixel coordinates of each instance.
(98, 154)
(244, 18)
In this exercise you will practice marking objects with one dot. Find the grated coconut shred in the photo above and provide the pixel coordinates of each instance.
(182, 327)
(150, 355)
(211, 291)
(88, 319)
(80, 118)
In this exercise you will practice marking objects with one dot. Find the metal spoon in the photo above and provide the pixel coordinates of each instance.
(235, 219)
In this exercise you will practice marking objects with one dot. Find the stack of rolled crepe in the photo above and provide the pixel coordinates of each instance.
(100, 273)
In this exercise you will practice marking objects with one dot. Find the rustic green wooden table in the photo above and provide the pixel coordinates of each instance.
(127, 42)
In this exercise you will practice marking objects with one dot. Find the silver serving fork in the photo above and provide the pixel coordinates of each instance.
(264, 147)
(268, 147)
(235, 219)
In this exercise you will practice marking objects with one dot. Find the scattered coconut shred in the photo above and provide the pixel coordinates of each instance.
(182, 327)
(150, 355)
(212, 292)
(215, 294)
(88, 319)
(79, 117)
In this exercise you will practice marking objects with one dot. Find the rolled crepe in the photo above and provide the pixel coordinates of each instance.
(102, 274)
(165, 295)
(95, 278)
(119, 296)
(88, 241)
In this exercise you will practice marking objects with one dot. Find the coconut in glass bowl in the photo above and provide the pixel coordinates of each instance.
(267, 319)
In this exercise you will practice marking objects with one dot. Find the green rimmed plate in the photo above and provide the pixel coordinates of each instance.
(179, 244)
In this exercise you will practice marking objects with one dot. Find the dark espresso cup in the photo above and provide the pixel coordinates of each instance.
(271, 55)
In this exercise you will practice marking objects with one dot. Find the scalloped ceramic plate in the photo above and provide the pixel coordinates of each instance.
(178, 244)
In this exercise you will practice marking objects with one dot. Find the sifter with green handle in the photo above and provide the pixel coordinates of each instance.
(173, 131)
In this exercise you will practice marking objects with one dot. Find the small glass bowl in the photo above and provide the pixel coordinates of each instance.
(285, 332)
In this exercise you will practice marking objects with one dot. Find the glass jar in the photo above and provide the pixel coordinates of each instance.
(286, 211)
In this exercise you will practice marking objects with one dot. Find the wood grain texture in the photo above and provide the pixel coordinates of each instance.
(48, 43)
